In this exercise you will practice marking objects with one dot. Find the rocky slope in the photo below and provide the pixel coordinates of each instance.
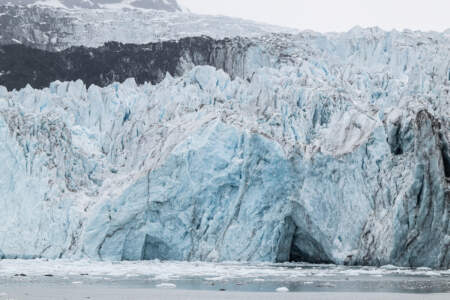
(21, 65)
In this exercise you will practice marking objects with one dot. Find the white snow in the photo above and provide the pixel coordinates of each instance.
(50, 3)
(94, 27)
(124, 4)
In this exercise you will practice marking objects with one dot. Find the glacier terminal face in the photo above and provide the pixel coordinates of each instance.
(319, 148)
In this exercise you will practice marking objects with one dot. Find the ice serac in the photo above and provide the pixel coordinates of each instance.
(422, 209)
(338, 152)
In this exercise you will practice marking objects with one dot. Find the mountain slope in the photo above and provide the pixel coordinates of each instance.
(58, 29)
(167, 5)
(21, 65)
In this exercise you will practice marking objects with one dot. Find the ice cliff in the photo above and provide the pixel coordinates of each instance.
(336, 150)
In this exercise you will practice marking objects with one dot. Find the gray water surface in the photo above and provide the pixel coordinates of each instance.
(63, 279)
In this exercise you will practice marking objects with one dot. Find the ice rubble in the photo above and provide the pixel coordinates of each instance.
(341, 159)
(213, 272)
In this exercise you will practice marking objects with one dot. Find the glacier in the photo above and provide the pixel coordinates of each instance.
(335, 150)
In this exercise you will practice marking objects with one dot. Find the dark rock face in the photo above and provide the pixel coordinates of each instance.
(115, 62)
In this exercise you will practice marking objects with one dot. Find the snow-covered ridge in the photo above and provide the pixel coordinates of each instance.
(167, 5)
(57, 29)
(60, 28)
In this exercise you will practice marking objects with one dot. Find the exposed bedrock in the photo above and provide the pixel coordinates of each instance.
(114, 62)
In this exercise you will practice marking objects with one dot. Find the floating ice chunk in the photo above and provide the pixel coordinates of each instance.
(389, 267)
(166, 286)
(218, 278)
(282, 289)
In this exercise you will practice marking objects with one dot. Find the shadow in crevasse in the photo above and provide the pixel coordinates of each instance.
(298, 245)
